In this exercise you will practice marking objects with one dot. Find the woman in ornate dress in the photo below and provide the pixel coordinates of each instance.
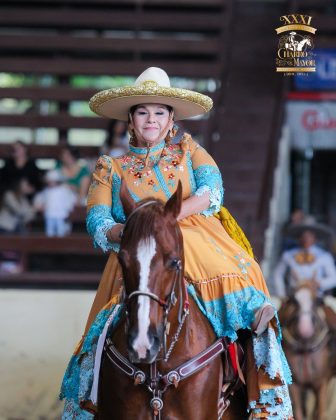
(223, 277)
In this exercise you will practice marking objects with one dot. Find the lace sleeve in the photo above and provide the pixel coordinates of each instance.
(99, 217)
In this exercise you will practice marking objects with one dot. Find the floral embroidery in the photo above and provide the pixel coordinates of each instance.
(243, 264)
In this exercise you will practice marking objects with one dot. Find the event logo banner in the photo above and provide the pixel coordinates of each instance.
(295, 52)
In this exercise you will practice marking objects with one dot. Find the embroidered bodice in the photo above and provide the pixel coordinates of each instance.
(157, 176)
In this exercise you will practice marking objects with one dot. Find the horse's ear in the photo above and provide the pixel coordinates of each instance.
(174, 204)
(126, 199)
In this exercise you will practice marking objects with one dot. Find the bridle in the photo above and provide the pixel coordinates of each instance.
(168, 303)
(320, 339)
(156, 382)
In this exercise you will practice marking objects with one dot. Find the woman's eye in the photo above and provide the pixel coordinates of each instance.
(159, 113)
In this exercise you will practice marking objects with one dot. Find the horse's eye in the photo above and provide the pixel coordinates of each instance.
(175, 263)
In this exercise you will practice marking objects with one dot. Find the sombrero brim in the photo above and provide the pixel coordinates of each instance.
(116, 103)
(320, 230)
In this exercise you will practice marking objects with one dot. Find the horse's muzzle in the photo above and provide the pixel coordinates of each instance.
(142, 349)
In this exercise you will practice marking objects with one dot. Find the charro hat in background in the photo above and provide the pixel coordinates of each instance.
(321, 230)
(152, 86)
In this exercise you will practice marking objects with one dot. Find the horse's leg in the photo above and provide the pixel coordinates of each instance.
(297, 402)
(321, 402)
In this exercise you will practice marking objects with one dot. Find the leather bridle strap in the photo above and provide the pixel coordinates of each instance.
(123, 364)
(183, 371)
(196, 363)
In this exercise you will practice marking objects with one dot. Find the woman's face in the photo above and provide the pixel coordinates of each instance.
(19, 151)
(66, 157)
(151, 123)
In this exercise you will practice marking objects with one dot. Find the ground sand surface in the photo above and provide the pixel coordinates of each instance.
(38, 331)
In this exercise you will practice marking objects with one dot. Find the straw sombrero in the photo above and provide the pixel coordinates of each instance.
(152, 86)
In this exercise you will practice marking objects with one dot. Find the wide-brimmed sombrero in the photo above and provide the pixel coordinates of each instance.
(152, 86)
(321, 230)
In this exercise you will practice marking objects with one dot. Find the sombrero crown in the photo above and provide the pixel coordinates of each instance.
(152, 86)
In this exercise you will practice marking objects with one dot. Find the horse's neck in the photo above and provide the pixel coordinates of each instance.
(196, 334)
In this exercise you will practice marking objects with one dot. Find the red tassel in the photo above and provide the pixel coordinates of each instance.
(232, 353)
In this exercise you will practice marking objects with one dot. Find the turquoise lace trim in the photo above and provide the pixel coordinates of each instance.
(271, 399)
(269, 354)
(72, 411)
(98, 221)
(162, 181)
(233, 311)
(215, 198)
(117, 208)
(143, 150)
(192, 180)
(236, 311)
(209, 176)
(78, 378)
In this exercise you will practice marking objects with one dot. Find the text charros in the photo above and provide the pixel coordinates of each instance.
(295, 47)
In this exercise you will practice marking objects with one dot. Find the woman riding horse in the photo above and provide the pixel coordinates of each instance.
(223, 278)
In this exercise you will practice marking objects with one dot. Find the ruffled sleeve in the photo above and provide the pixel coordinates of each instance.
(207, 177)
(99, 205)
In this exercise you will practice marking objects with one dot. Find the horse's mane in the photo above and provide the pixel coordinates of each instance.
(142, 223)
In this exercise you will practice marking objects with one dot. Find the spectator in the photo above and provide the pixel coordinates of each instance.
(297, 217)
(15, 208)
(56, 202)
(76, 174)
(20, 166)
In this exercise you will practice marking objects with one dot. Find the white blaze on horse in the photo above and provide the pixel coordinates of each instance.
(308, 347)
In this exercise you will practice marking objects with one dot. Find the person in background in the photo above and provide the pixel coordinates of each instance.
(15, 208)
(297, 217)
(117, 142)
(307, 261)
(56, 202)
(75, 173)
(20, 166)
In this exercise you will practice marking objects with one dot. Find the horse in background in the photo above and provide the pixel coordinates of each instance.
(162, 360)
(307, 342)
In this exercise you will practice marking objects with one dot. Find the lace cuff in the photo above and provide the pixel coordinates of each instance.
(98, 222)
(215, 198)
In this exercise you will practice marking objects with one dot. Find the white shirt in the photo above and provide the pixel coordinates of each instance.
(321, 268)
(57, 201)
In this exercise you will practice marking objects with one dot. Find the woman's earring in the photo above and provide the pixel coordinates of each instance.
(132, 138)
(174, 130)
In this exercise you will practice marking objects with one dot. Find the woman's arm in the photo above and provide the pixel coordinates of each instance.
(194, 204)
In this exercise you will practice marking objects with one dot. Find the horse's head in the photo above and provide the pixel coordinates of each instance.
(303, 309)
(151, 257)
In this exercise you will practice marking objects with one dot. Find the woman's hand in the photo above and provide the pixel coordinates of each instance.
(114, 234)
(194, 204)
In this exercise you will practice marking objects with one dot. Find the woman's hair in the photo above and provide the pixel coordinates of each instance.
(23, 144)
(73, 150)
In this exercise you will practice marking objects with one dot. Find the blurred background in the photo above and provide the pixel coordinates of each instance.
(273, 137)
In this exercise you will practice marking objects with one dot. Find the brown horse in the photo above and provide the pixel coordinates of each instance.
(156, 361)
(307, 344)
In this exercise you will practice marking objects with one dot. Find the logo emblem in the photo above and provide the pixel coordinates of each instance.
(295, 52)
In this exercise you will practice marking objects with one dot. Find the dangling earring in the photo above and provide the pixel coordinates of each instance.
(174, 130)
(132, 138)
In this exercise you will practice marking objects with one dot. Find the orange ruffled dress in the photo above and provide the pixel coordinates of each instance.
(225, 281)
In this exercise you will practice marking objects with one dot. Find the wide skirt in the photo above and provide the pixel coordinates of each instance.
(228, 287)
